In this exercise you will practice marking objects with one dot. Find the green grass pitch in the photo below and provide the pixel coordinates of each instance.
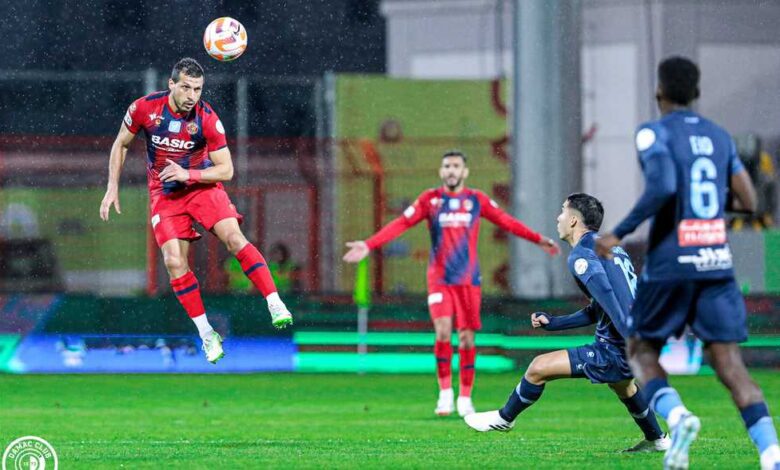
(345, 421)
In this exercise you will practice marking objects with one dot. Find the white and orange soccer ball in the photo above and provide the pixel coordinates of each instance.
(225, 39)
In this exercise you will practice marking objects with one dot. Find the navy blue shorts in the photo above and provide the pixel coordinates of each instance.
(602, 363)
(714, 309)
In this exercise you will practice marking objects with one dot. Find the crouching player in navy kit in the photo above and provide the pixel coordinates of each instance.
(610, 286)
(690, 165)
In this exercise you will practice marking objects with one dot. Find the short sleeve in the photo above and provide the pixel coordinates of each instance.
(650, 140)
(735, 164)
(134, 116)
(583, 265)
(213, 130)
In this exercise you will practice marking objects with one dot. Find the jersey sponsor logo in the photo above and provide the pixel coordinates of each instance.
(155, 118)
(174, 126)
(580, 266)
(192, 128)
(645, 139)
(409, 212)
(455, 219)
(220, 127)
(173, 143)
(435, 298)
(454, 204)
(128, 119)
(709, 259)
(697, 232)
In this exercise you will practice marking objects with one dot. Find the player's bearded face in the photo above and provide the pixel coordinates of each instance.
(186, 92)
(453, 172)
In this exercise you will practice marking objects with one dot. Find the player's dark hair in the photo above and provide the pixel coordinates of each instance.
(678, 78)
(454, 153)
(189, 66)
(591, 209)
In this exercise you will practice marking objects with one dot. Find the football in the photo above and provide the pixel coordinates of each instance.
(225, 39)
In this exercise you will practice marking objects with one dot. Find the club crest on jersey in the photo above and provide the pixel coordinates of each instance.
(468, 205)
(174, 126)
(173, 143)
(192, 128)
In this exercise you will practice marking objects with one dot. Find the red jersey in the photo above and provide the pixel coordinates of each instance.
(453, 221)
(184, 138)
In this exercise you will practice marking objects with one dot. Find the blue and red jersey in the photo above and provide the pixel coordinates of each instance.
(185, 138)
(453, 221)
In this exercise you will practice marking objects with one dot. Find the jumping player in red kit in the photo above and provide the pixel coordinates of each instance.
(187, 161)
(453, 213)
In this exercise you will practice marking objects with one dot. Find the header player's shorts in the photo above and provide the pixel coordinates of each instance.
(714, 308)
(173, 214)
(461, 301)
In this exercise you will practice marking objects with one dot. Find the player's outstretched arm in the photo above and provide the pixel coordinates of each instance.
(580, 318)
(411, 217)
(115, 163)
(496, 215)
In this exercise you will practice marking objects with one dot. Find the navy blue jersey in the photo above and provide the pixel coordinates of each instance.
(610, 284)
(695, 158)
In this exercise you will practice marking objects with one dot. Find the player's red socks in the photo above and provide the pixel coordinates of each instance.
(187, 290)
(256, 269)
(467, 358)
(443, 353)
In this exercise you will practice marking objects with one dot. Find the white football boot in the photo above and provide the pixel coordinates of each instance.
(465, 406)
(661, 444)
(212, 346)
(280, 316)
(446, 404)
(770, 458)
(683, 435)
(488, 421)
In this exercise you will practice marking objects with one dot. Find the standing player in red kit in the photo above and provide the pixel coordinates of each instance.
(453, 213)
(187, 161)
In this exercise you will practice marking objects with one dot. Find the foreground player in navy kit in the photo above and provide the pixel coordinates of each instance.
(690, 164)
(610, 286)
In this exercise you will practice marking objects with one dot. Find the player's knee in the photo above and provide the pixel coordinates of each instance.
(174, 263)
(624, 389)
(235, 241)
(466, 339)
(537, 370)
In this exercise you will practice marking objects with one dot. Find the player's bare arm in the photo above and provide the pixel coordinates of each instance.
(221, 171)
(745, 199)
(115, 163)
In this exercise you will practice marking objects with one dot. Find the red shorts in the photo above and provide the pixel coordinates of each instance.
(461, 301)
(172, 215)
